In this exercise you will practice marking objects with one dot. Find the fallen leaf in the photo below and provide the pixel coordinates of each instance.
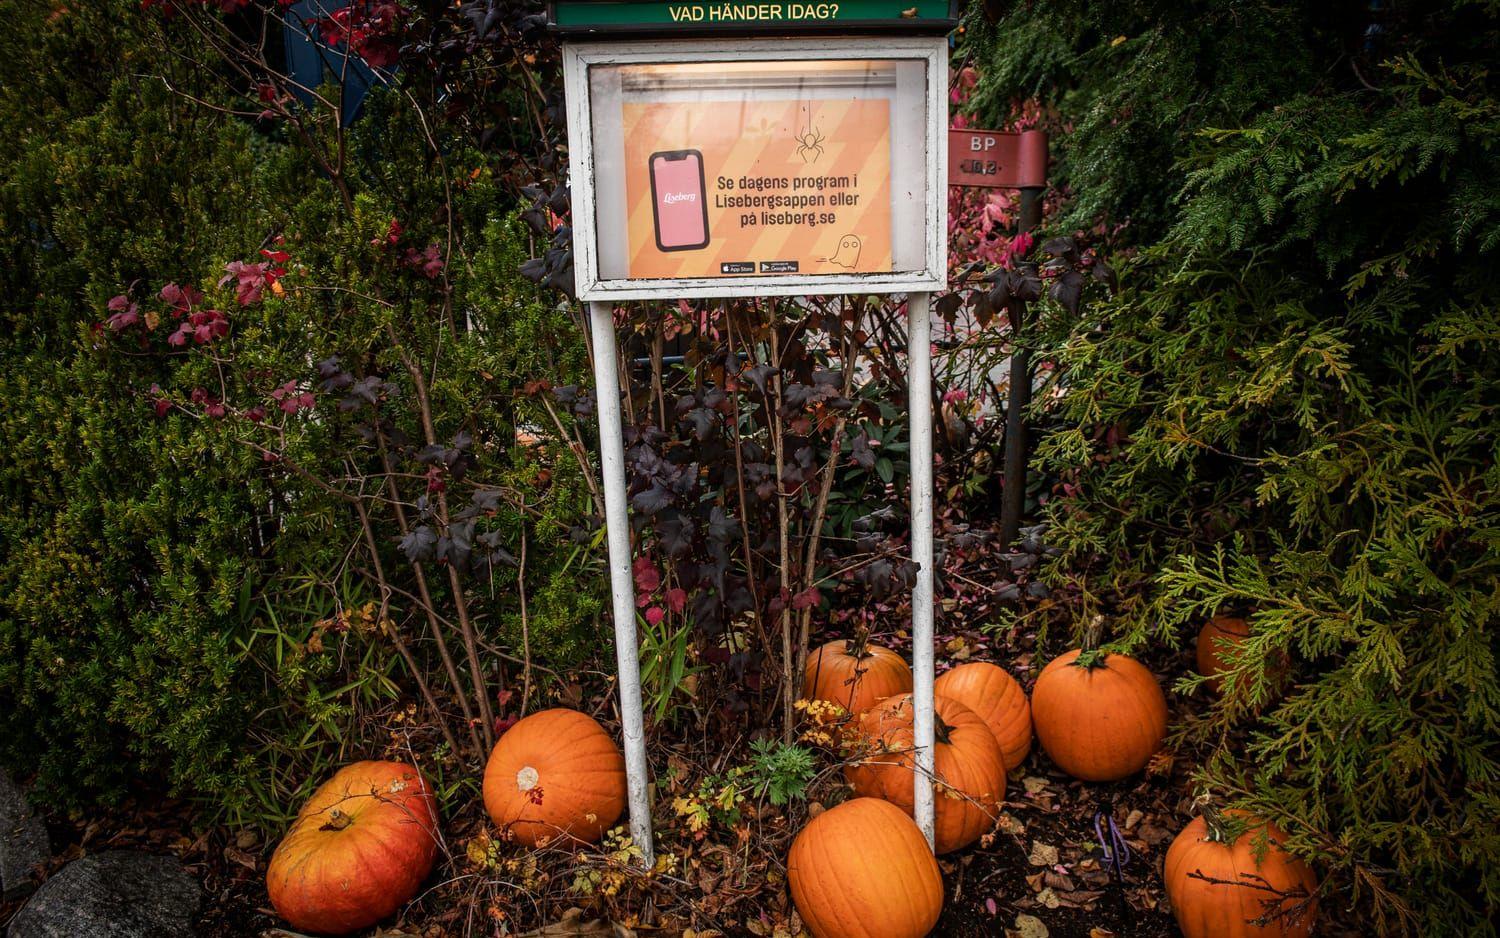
(1042, 854)
(1152, 834)
(572, 924)
(1082, 899)
(1058, 881)
(241, 857)
(1033, 784)
(1029, 926)
(1048, 898)
(1010, 824)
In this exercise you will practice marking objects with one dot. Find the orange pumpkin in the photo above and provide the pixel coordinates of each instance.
(1219, 891)
(1100, 721)
(1217, 636)
(556, 773)
(999, 700)
(967, 762)
(854, 675)
(1215, 640)
(358, 850)
(863, 870)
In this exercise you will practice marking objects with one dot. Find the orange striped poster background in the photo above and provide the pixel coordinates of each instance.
(833, 153)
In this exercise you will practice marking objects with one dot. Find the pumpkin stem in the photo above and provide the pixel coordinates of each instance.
(337, 820)
(941, 732)
(1214, 821)
(1089, 655)
(1092, 633)
(858, 647)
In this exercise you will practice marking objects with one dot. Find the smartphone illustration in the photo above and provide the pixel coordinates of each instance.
(678, 204)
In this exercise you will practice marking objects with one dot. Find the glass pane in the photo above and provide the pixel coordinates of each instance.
(771, 168)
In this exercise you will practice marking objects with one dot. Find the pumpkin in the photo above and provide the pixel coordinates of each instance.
(358, 850)
(854, 675)
(1217, 636)
(1100, 718)
(967, 763)
(555, 774)
(1221, 634)
(863, 870)
(1219, 891)
(999, 700)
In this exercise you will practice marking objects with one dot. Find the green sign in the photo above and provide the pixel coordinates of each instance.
(618, 14)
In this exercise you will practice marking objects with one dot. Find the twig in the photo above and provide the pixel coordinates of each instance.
(835, 449)
(460, 602)
(788, 691)
(525, 624)
(426, 602)
(394, 634)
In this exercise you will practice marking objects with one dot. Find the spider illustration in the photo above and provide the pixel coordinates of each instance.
(810, 144)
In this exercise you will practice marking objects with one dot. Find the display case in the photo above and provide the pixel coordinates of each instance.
(786, 166)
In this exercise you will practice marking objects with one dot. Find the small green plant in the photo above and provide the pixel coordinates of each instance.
(664, 664)
(780, 771)
(716, 801)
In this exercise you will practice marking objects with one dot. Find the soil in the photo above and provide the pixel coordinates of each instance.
(990, 886)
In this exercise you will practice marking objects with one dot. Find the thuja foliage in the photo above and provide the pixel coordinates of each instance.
(189, 303)
(1289, 411)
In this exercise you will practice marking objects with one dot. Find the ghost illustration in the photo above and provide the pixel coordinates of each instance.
(847, 254)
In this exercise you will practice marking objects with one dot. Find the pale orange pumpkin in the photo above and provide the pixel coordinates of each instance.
(358, 850)
(1100, 721)
(967, 763)
(863, 870)
(555, 775)
(1218, 890)
(854, 675)
(997, 697)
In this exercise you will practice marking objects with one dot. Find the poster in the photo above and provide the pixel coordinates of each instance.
(758, 186)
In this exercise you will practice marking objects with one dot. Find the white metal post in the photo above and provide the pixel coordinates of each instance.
(919, 386)
(621, 587)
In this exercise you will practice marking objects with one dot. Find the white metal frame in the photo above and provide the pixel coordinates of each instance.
(579, 57)
(602, 295)
(919, 397)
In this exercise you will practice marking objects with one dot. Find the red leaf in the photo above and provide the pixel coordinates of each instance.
(123, 313)
(807, 598)
(647, 577)
(181, 299)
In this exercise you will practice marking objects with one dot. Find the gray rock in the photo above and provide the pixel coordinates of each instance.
(117, 894)
(23, 840)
